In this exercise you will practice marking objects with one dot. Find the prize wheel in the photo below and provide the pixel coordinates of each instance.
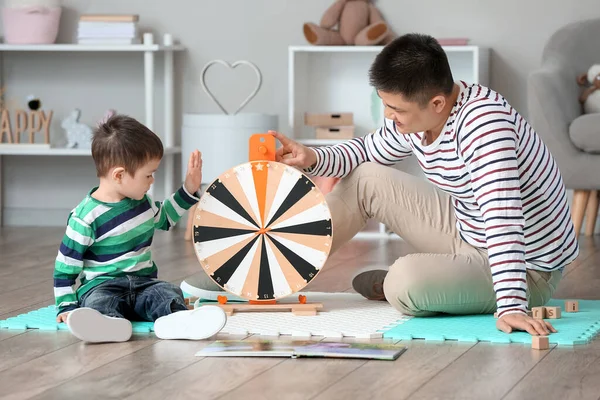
(262, 230)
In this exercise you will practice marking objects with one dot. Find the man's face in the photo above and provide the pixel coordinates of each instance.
(410, 116)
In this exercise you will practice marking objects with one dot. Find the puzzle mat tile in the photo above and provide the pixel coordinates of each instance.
(45, 319)
(343, 314)
(573, 328)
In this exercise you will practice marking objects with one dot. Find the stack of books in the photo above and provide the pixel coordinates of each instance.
(108, 29)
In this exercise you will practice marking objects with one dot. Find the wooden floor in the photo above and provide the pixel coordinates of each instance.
(49, 365)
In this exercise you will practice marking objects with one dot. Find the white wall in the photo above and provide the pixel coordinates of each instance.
(257, 30)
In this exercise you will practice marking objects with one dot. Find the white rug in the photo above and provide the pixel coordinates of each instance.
(343, 314)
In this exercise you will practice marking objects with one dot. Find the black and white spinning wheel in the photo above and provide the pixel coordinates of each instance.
(262, 230)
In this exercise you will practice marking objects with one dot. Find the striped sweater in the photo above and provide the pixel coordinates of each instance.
(109, 240)
(507, 191)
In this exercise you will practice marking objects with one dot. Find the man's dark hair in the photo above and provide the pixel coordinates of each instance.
(125, 142)
(414, 66)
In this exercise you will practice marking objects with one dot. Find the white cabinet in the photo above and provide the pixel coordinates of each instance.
(334, 79)
(148, 51)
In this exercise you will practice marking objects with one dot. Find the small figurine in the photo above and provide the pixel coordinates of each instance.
(33, 102)
(590, 97)
(78, 135)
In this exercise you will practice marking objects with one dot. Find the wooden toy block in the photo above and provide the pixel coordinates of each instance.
(335, 132)
(572, 306)
(495, 315)
(321, 120)
(553, 312)
(190, 300)
(540, 342)
(539, 312)
(295, 309)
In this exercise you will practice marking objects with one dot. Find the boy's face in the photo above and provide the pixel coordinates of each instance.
(410, 116)
(136, 186)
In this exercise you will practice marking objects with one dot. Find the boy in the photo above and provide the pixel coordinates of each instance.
(492, 228)
(107, 243)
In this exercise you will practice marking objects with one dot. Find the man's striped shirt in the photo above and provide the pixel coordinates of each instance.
(109, 240)
(508, 194)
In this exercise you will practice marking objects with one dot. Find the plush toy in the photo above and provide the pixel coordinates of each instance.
(590, 97)
(107, 115)
(359, 23)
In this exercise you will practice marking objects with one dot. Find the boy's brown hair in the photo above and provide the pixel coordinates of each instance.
(125, 142)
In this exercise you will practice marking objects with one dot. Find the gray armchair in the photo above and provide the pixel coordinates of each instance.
(556, 114)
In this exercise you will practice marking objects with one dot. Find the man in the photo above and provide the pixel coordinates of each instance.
(493, 232)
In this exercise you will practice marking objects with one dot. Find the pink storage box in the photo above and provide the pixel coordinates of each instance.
(30, 25)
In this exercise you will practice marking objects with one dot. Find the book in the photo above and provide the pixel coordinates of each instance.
(109, 41)
(453, 41)
(110, 17)
(301, 348)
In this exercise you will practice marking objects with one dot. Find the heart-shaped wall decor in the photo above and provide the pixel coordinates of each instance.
(232, 66)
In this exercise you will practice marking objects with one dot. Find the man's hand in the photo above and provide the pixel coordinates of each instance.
(293, 153)
(523, 322)
(193, 178)
(62, 317)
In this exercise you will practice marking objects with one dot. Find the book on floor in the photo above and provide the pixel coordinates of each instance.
(301, 348)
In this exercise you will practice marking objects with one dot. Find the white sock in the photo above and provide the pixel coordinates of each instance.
(197, 324)
(90, 325)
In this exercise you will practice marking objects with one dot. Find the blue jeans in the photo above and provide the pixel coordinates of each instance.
(134, 298)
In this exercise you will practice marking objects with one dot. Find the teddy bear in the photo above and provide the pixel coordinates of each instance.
(359, 23)
(590, 97)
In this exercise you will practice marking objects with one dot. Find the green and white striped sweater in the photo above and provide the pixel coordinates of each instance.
(109, 240)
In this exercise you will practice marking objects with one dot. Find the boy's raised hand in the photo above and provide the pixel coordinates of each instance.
(293, 153)
(193, 177)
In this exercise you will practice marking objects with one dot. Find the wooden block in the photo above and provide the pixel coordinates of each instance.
(538, 312)
(294, 308)
(304, 313)
(540, 342)
(21, 125)
(335, 132)
(553, 312)
(5, 130)
(495, 315)
(190, 300)
(572, 306)
(46, 120)
(34, 124)
(335, 119)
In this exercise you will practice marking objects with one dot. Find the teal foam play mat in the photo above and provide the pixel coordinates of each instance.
(573, 328)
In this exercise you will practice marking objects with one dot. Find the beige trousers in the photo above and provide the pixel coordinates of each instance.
(446, 275)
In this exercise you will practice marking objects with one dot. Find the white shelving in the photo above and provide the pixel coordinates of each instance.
(42, 150)
(334, 79)
(148, 50)
(89, 47)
